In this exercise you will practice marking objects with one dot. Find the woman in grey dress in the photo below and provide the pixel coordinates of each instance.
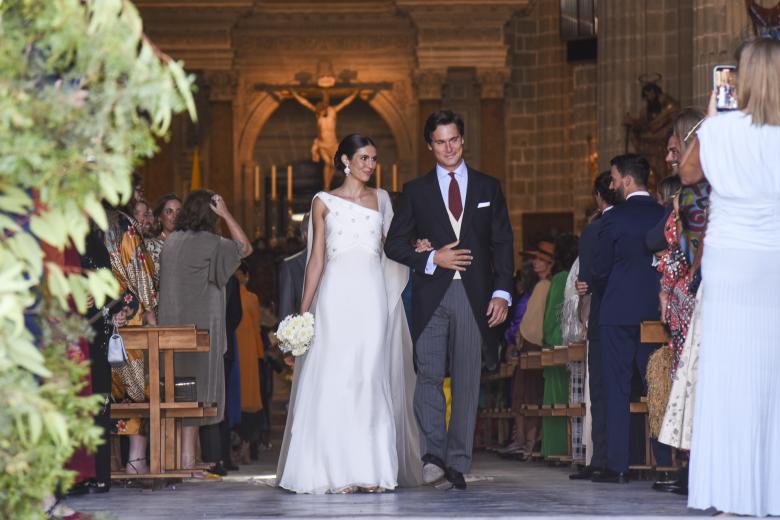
(195, 265)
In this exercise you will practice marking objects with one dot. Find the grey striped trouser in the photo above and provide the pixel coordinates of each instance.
(451, 336)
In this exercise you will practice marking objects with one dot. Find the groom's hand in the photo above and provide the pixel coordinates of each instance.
(455, 259)
(497, 311)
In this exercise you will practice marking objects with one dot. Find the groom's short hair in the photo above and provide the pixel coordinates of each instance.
(442, 118)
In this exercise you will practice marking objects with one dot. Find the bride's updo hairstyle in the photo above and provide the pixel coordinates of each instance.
(349, 146)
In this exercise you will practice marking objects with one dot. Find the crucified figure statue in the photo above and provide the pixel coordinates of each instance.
(324, 146)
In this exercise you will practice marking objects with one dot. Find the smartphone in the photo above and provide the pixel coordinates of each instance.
(724, 82)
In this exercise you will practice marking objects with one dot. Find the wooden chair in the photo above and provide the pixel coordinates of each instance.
(163, 412)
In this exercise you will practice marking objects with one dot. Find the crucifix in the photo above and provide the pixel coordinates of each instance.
(324, 146)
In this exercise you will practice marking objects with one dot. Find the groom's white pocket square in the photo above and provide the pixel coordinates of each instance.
(483, 205)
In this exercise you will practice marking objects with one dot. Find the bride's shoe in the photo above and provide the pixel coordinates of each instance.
(346, 490)
(374, 489)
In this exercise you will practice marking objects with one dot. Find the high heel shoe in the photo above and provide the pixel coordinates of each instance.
(137, 469)
(374, 489)
(346, 490)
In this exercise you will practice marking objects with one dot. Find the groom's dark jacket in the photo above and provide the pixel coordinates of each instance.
(485, 230)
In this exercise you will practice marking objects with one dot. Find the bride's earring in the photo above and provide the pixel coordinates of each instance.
(347, 171)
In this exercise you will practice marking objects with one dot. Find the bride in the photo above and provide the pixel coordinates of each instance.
(350, 425)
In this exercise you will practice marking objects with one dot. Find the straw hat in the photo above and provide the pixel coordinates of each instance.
(542, 249)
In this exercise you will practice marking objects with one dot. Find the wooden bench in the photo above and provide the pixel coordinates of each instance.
(651, 332)
(163, 412)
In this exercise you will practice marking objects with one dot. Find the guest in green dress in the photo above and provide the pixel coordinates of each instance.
(556, 379)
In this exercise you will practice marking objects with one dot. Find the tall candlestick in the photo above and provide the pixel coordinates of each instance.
(378, 176)
(273, 182)
(289, 182)
(257, 183)
(395, 177)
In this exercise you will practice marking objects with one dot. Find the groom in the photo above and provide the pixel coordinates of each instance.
(461, 291)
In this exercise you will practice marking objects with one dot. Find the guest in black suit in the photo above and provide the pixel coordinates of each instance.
(460, 291)
(291, 273)
(623, 273)
(605, 200)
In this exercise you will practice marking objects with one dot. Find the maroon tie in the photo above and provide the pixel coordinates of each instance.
(456, 206)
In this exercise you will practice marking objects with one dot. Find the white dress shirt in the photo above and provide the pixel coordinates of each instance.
(462, 178)
(637, 193)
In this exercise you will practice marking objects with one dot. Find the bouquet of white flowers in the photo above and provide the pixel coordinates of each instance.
(295, 333)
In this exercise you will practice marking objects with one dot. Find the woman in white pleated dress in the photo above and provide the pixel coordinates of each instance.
(735, 449)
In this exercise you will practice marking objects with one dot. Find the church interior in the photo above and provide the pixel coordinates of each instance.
(549, 90)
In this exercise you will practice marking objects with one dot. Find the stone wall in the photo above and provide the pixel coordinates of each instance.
(551, 119)
(718, 28)
(563, 120)
(635, 38)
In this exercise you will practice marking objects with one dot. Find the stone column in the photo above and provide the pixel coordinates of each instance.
(237, 192)
(493, 136)
(461, 95)
(635, 38)
(159, 172)
(718, 28)
(429, 84)
(621, 46)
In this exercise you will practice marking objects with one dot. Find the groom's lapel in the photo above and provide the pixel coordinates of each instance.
(438, 208)
(471, 197)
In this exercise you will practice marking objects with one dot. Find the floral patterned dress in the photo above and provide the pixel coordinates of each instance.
(676, 283)
(134, 270)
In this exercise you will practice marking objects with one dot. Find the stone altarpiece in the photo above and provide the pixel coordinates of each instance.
(429, 54)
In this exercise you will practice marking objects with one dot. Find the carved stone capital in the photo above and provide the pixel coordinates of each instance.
(461, 33)
(493, 82)
(429, 83)
(221, 84)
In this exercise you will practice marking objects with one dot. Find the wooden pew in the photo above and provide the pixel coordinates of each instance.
(651, 332)
(163, 411)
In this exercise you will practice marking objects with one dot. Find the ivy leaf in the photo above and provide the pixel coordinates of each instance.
(36, 426)
(50, 226)
(78, 289)
(25, 354)
(95, 210)
(58, 428)
(57, 284)
(14, 200)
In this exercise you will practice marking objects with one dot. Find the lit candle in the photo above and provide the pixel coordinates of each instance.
(273, 182)
(257, 182)
(378, 176)
(289, 182)
(395, 177)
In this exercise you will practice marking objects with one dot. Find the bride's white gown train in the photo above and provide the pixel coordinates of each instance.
(350, 419)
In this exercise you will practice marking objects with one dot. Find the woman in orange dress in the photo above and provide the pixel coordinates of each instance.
(250, 352)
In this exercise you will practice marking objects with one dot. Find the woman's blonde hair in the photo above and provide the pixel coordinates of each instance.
(759, 81)
(685, 125)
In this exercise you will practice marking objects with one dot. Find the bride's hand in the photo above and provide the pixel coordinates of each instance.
(422, 245)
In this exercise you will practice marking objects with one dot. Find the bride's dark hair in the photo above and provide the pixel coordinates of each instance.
(348, 146)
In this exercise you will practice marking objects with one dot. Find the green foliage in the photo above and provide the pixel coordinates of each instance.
(83, 98)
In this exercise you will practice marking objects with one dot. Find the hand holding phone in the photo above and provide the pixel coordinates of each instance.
(724, 84)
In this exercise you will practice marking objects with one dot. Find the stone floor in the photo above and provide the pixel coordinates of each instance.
(499, 489)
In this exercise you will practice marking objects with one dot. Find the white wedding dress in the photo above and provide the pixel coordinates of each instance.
(350, 420)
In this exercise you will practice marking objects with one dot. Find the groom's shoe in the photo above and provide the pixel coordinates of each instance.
(433, 469)
(456, 479)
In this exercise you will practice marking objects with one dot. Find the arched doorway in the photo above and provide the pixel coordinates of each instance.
(287, 135)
